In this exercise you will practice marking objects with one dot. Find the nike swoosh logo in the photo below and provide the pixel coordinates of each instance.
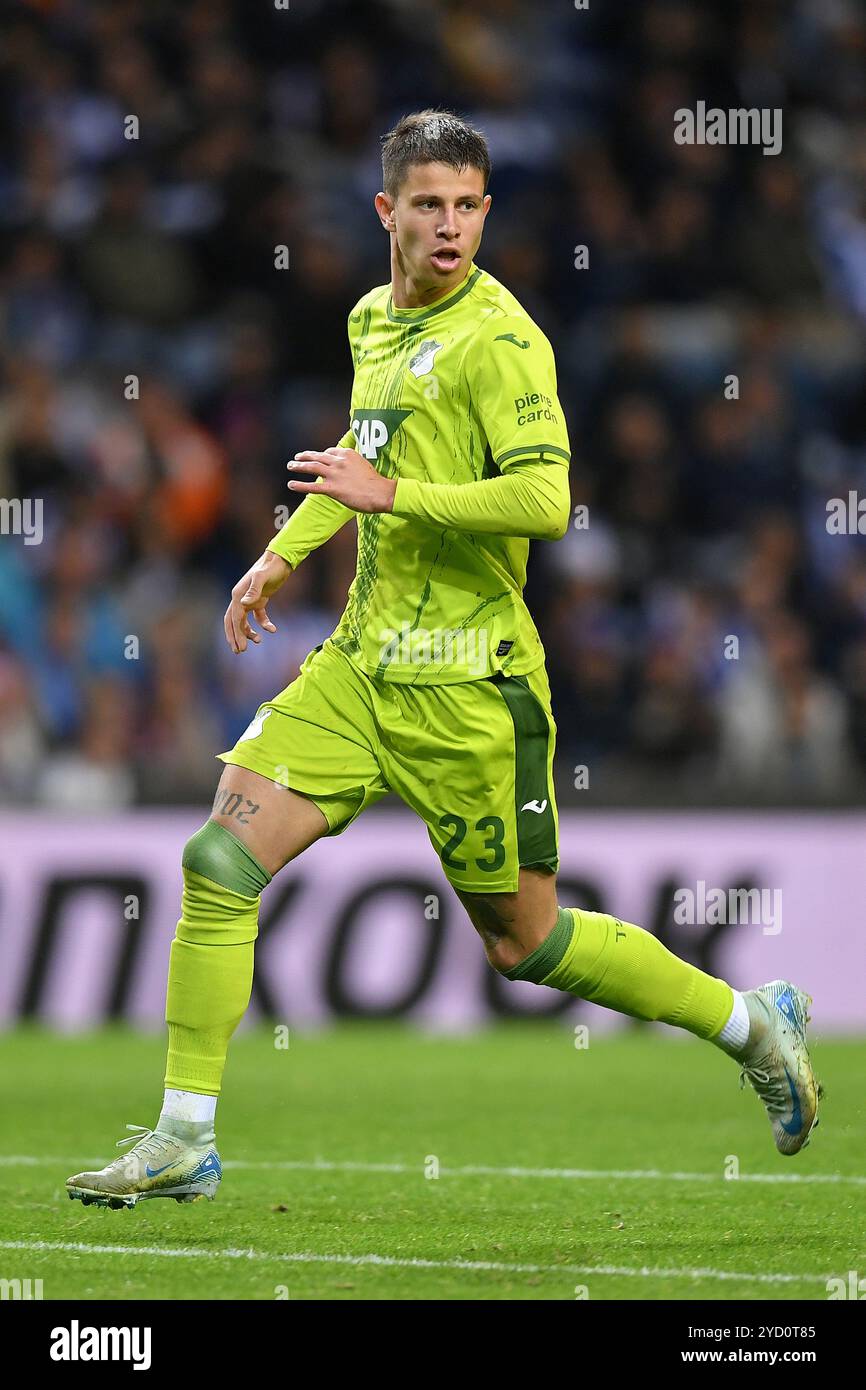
(534, 806)
(796, 1122)
(155, 1172)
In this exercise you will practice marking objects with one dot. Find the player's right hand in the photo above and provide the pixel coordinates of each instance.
(250, 595)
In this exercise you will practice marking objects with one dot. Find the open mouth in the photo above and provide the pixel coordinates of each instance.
(445, 258)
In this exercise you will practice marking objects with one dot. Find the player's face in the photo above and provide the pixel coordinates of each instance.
(438, 217)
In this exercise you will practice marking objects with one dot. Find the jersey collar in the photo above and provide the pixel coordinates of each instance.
(426, 311)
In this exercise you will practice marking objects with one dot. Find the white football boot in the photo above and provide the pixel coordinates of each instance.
(776, 1062)
(158, 1165)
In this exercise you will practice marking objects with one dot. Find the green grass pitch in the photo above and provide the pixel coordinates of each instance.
(563, 1172)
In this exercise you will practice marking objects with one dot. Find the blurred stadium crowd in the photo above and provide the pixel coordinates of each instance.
(259, 127)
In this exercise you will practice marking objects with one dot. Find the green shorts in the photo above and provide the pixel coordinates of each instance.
(474, 760)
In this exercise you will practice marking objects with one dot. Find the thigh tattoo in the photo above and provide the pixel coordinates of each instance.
(491, 920)
(234, 804)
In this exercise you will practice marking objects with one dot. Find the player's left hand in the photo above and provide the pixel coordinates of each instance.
(347, 477)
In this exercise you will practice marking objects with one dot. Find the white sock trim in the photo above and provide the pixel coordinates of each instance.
(735, 1033)
(189, 1106)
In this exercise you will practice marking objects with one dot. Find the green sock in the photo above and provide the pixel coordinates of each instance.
(623, 967)
(210, 971)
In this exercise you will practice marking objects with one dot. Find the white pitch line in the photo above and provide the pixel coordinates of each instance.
(393, 1262)
(486, 1170)
(465, 1171)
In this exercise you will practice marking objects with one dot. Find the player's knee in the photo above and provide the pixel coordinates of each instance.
(216, 854)
(505, 954)
(222, 884)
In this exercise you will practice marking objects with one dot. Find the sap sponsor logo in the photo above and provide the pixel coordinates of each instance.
(371, 436)
(77, 1343)
(533, 406)
(374, 430)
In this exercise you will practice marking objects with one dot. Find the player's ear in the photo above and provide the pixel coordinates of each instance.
(485, 203)
(385, 208)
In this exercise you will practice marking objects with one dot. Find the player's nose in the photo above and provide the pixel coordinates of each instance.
(449, 227)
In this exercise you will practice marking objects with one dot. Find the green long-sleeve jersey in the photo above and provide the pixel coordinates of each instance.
(457, 400)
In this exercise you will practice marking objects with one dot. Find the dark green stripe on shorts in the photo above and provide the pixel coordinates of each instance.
(536, 829)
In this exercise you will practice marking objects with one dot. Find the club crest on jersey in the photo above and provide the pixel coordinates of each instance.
(422, 362)
(374, 430)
